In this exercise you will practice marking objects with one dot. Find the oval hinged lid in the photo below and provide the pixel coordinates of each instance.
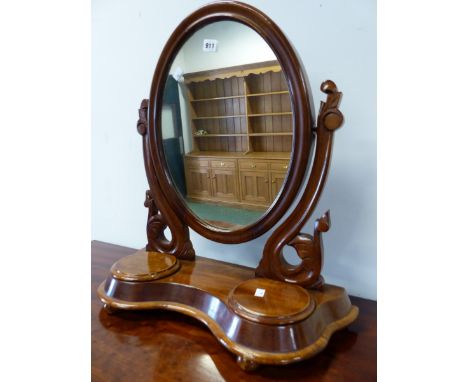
(145, 266)
(271, 302)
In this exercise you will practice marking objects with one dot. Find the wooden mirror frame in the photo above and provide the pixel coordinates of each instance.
(168, 210)
(302, 108)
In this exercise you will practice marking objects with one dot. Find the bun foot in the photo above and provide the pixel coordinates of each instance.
(109, 309)
(246, 364)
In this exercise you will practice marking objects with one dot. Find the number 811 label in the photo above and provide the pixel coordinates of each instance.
(210, 45)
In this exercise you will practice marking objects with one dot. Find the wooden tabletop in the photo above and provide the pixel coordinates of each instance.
(167, 346)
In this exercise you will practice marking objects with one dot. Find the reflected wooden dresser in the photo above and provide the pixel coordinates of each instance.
(244, 180)
(241, 130)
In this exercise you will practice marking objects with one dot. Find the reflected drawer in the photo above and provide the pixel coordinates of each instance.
(223, 163)
(279, 166)
(196, 162)
(250, 164)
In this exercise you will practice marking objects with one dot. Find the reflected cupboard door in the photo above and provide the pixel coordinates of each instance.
(255, 187)
(224, 184)
(198, 182)
(277, 180)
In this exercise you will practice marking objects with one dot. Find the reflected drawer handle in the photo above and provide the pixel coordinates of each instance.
(285, 166)
(273, 181)
(252, 165)
(222, 164)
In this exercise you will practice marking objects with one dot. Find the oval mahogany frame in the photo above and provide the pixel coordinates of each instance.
(303, 114)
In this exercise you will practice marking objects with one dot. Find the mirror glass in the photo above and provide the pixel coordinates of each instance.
(227, 124)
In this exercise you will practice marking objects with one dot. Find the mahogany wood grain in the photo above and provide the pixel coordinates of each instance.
(160, 215)
(274, 329)
(145, 266)
(167, 346)
(309, 248)
(271, 302)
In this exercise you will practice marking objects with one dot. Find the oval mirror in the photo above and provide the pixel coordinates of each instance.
(227, 125)
(230, 137)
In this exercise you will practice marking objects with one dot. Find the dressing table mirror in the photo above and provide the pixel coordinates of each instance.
(233, 150)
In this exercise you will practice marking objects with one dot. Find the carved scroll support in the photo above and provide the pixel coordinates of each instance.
(160, 216)
(308, 247)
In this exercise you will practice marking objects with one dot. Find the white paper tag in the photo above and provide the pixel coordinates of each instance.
(259, 292)
(210, 45)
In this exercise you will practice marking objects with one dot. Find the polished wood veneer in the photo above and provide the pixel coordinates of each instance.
(159, 345)
(271, 302)
(286, 324)
(144, 266)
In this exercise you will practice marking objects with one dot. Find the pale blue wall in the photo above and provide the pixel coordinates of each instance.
(335, 39)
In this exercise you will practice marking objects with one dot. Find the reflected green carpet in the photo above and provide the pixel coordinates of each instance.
(208, 211)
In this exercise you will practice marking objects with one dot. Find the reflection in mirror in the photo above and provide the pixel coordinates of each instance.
(227, 124)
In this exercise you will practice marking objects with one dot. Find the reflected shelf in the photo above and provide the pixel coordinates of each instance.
(219, 117)
(268, 93)
(242, 115)
(245, 135)
(219, 135)
(218, 98)
(286, 155)
(240, 96)
(269, 114)
(270, 134)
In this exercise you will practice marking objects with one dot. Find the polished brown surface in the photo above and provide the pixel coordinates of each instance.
(145, 266)
(309, 248)
(179, 244)
(271, 302)
(202, 288)
(167, 346)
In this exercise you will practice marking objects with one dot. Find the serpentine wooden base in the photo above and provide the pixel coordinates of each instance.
(284, 323)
